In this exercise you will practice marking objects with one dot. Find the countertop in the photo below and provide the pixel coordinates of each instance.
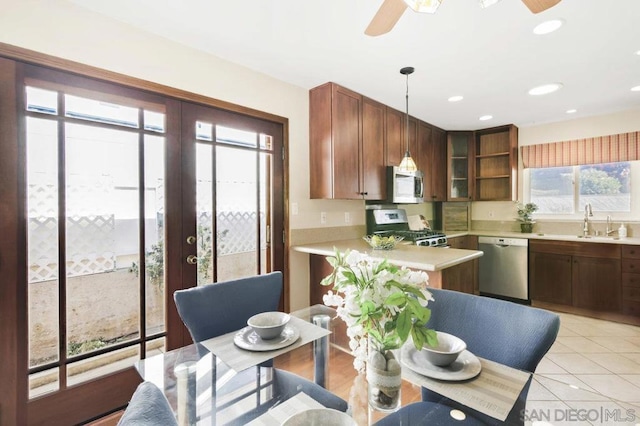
(409, 255)
(541, 236)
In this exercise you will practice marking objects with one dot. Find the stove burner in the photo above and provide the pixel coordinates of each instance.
(386, 222)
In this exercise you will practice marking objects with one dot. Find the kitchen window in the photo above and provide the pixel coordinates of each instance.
(564, 191)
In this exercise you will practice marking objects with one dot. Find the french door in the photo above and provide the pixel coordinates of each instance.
(129, 196)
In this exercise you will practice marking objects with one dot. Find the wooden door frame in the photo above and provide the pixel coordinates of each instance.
(13, 294)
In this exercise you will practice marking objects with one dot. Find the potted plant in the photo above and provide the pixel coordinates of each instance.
(524, 216)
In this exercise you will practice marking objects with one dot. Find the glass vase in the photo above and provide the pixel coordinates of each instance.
(384, 377)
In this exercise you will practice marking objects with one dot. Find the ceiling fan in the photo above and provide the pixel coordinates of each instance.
(391, 11)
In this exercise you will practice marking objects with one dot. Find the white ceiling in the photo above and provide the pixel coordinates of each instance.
(490, 56)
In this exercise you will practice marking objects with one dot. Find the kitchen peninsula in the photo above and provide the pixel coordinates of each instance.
(435, 261)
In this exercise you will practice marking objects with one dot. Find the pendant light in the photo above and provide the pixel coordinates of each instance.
(407, 164)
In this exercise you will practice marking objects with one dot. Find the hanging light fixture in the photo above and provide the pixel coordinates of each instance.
(407, 164)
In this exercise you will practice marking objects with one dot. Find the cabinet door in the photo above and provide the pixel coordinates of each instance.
(550, 278)
(438, 165)
(374, 182)
(459, 154)
(394, 129)
(424, 158)
(346, 134)
(596, 284)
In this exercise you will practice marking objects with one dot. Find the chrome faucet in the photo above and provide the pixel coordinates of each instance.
(588, 212)
(609, 229)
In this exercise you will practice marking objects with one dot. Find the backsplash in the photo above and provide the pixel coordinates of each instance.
(551, 227)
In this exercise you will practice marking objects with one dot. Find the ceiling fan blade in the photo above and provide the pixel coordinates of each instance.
(386, 17)
(537, 6)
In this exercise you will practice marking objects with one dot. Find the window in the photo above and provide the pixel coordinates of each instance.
(565, 190)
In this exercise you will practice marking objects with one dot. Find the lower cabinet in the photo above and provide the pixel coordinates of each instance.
(631, 280)
(318, 269)
(463, 277)
(582, 275)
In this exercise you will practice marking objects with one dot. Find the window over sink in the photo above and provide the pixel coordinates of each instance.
(564, 191)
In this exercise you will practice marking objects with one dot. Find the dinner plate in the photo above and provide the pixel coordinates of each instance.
(467, 366)
(249, 340)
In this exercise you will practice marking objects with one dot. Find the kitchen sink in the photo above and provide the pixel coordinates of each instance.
(580, 237)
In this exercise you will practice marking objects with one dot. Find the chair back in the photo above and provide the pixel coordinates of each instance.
(506, 332)
(148, 407)
(219, 308)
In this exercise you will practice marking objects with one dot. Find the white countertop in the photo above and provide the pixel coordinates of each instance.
(540, 236)
(409, 255)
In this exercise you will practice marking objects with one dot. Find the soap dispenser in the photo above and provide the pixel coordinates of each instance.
(622, 231)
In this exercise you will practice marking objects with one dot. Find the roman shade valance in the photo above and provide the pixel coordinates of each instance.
(601, 149)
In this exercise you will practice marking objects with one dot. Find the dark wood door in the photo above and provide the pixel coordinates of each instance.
(346, 133)
(394, 130)
(373, 184)
(596, 283)
(550, 278)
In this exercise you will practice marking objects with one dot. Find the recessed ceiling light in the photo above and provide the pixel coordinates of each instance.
(638, 52)
(545, 89)
(486, 117)
(635, 89)
(572, 111)
(455, 98)
(548, 26)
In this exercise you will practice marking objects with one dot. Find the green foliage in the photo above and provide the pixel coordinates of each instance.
(525, 211)
(593, 181)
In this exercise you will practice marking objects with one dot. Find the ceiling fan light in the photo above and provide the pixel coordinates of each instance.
(423, 6)
(487, 3)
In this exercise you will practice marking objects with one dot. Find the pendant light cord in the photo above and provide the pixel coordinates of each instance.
(407, 106)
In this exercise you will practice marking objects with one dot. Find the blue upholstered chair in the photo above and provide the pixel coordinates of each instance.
(426, 413)
(509, 333)
(148, 407)
(215, 309)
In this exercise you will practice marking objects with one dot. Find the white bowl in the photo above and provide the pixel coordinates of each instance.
(447, 351)
(268, 325)
(320, 417)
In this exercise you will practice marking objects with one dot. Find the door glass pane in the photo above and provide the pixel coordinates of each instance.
(42, 101)
(236, 212)
(154, 233)
(102, 238)
(265, 212)
(42, 240)
(100, 111)
(231, 136)
(204, 212)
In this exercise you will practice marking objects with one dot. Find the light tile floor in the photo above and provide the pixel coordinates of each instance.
(601, 362)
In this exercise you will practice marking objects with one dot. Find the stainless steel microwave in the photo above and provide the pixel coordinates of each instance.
(404, 187)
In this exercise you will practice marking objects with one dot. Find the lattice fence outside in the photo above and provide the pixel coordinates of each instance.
(236, 231)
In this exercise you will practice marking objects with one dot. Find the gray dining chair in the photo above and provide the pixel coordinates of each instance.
(214, 309)
(148, 407)
(509, 333)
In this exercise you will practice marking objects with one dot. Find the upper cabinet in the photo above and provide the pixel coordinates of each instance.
(496, 164)
(346, 144)
(460, 162)
(431, 159)
(395, 122)
(483, 165)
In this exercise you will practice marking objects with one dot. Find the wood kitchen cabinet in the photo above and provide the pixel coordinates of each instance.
(459, 166)
(496, 164)
(394, 131)
(463, 277)
(346, 144)
(581, 275)
(631, 280)
(431, 158)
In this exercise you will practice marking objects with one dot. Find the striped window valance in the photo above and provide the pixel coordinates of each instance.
(602, 149)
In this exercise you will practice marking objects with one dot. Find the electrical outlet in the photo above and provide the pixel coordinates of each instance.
(347, 217)
(294, 209)
(323, 217)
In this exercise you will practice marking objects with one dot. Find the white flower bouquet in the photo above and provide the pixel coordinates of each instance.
(379, 302)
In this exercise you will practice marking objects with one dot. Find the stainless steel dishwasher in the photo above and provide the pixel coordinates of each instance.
(503, 268)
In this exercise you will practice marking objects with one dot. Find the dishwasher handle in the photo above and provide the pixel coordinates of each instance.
(504, 242)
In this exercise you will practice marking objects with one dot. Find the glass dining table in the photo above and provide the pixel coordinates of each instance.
(217, 383)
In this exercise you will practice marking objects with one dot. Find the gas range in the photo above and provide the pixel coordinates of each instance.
(395, 222)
